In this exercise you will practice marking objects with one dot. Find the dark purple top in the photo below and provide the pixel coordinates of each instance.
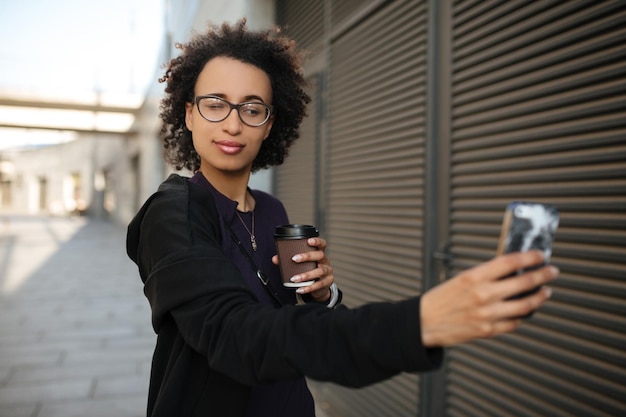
(286, 398)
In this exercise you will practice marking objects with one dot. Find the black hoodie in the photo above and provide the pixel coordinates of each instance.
(215, 340)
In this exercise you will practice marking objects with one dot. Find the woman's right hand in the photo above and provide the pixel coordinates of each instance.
(475, 304)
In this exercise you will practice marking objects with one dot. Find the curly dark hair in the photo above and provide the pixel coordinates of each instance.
(268, 50)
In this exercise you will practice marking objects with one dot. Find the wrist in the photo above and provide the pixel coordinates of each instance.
(321, 296)
(429, 340)
(333, 298)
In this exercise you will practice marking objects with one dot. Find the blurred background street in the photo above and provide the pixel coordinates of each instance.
(76, 336)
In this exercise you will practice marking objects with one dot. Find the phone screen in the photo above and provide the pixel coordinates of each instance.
(528, 226)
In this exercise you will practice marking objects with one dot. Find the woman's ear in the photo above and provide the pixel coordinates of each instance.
(268, 126)
(189, 116)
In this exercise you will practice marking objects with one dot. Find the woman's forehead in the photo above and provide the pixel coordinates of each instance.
(233, 78)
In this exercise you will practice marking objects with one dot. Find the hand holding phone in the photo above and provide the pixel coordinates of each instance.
(528, 226)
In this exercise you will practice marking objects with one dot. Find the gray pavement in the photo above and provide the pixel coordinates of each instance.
(75, 335)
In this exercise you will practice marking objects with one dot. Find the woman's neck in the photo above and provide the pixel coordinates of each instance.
(233, 186)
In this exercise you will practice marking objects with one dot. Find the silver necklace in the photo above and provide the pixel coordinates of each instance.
(250, 232)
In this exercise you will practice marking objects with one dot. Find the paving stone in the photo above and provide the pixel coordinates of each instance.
(110, 355)
(5, 374)
(14, 357)
(21, 374)
(29, 393)
(77, 338)
(107, 386)
(29, 410)
(122, 406)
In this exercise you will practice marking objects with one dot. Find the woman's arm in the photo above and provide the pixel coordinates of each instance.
(476, 303)
(187, 277)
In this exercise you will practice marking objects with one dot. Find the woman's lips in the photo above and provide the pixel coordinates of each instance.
(229, 147)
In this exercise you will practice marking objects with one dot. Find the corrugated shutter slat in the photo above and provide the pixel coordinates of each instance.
(376, 154)
(539, 113)
(375, 185)
(303, 21)
(295, 180)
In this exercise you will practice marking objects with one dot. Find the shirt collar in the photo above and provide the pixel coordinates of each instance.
(225, 206)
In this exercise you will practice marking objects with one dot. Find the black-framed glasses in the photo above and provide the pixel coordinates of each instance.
(216, 109)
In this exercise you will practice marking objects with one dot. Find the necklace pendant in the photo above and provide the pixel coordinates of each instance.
(250, 232)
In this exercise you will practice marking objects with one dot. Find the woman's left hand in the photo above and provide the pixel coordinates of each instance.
(322, 275)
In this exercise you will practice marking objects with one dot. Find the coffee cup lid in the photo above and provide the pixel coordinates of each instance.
(295, 231)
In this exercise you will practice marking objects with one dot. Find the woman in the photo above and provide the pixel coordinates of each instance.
(228, 345)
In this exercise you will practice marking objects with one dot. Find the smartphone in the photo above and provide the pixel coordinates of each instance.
(527, 226)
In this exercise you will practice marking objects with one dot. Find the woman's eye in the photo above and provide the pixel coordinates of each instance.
(215, 105)
(252, 110)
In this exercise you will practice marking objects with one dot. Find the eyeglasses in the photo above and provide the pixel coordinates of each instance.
(216, 109)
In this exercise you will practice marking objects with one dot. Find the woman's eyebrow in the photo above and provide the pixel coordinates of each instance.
(252, 97)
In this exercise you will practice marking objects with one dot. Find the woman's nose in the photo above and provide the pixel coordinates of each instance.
(232, 123)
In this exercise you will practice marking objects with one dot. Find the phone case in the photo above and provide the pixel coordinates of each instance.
(528, 226)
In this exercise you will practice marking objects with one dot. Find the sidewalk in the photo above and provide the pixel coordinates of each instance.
(76, 339)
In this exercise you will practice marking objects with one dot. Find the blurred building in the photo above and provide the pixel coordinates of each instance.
(427, 118)
(108, 170)
(72, 178)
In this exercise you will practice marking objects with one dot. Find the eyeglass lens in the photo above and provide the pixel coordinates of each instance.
(216, 109)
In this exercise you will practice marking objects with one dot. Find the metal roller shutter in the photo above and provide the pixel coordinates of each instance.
(295, 181)
(377, 89)
(375, 180)
(538, 104)
(303, 21)
(345, 13)
(343, 10)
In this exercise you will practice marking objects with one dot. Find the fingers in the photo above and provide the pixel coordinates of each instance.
(317, 242)
(510, 287)
(317, 255)
(483, 293)
(319, 291)
(505, 316)
(478, 302)
(492, 300)
(505, 265)
(507, 309)
(322, 275)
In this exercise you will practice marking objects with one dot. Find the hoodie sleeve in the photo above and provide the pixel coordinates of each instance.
(187, 277)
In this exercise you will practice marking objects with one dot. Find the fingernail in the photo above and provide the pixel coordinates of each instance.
(548, 292)
(555, 271)
(295, 278)
(311, 241)
(300, 290)
(297, 258)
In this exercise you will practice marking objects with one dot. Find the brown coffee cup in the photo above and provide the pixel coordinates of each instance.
(291, 239)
